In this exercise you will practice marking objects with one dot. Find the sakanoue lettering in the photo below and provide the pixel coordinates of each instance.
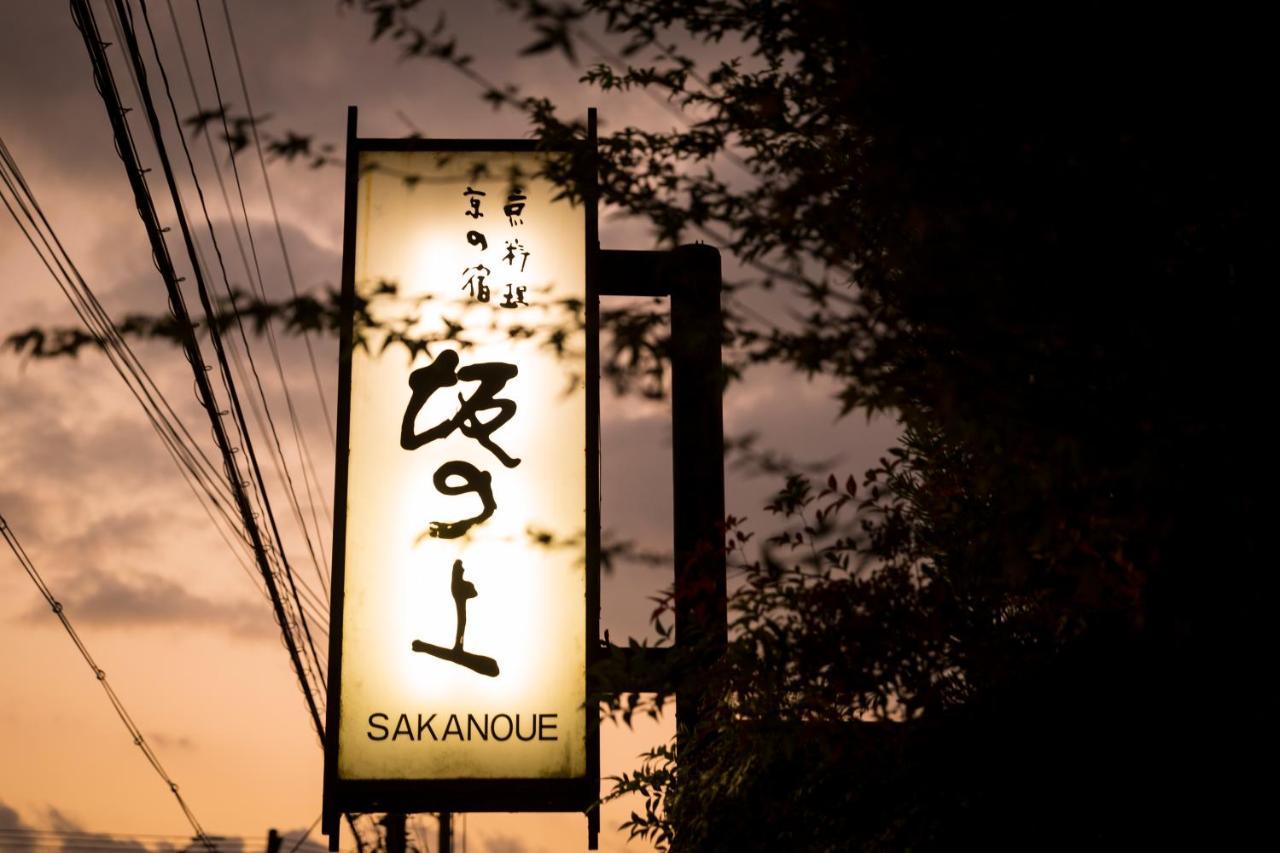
(442, 728)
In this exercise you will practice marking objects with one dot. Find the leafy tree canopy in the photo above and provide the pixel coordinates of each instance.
(1033, 236)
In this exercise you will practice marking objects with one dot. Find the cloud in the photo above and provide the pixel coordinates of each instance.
(171, 742)
(115, 531)
(302, 839)
(18, 508)
(504, 844)
(223, 843)
(63, 824)
(148, 600)
(15, 836)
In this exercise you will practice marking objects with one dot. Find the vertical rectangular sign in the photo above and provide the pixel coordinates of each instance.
(461, 582)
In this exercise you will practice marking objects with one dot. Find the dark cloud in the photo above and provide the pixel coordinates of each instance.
(95, 597)
(56, 428)
(171, 742)
(233, 844)
(21, 512)
(15, 836)
(636, 462)
(117, 531)
(224, 844)
(504, 844)
(65, 834)
(302, 840)
(64, 825)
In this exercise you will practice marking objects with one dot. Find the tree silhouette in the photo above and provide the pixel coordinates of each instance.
(1034, 239)
(1041, 620)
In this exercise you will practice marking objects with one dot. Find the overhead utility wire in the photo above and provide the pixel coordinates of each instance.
(85, 21)
(125, 148)
(118, 27)
(136, 58)
(128, 841)
(294, 611)
(259, 493)
(32, 231)
(93, 315)
(125, 717)
(258, 283)
(266, 180)
(310, 479)
(106, 845)
(129, 845)
(278, 460)
(254, 495)
(311, 665)
(183, 465)
(100, 836)
(302, 838)
(210, 493)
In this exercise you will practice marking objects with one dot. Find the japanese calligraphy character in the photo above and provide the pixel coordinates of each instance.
(475, 283)
(475, 238)
(474, 212)
(514, 247)
(514, 207)
(462, 591)
(473, 480)
(516, 299)
(444, 372)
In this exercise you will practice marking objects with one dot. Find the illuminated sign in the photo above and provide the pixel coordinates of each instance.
(462, 578)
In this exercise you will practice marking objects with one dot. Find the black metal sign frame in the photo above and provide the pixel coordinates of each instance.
(472, 795)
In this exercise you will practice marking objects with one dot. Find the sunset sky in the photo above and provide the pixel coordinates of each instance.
(185, 637)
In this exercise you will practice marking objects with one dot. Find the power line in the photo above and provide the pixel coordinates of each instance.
(304, 454)
(305, 835)
(76, 833)
(255, 494)
(13, 837)
(85, 21)
(136, 59)
(287, 617)
(260, 493)
(266, 180)
(59, 611)
(300, 442)
(106, 335)
(308, 470)
(196, 469)
(87, 306)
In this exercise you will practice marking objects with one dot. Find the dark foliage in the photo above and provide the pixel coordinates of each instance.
(1035, 238)
(1037, 241)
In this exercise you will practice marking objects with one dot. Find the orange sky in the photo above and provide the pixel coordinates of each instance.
(185, 638)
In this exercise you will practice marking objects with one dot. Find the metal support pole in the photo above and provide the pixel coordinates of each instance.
(690, 276)
(591, 199)
(697, 438)
(394, 822)
(445, 842)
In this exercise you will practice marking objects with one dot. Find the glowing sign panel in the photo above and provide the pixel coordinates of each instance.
(460, 674)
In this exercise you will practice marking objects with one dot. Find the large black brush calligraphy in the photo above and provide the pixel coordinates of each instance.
(462, 590)
(443, 373)
(473, 480)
